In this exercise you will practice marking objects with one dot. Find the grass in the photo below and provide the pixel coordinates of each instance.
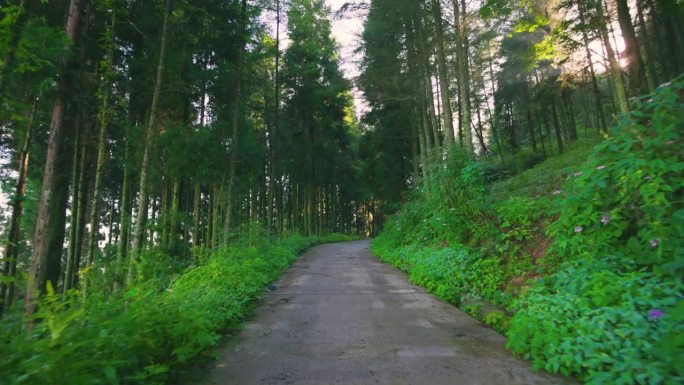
(544, 178)
(145, 333)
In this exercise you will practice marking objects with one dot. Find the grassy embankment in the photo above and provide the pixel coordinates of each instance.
(578, 260)
(176, 311)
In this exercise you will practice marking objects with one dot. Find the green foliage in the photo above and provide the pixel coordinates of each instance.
(542, 180)
(448, 210)
(517, 216)
(455, 189)
(626, 199)
(139, 335)
(612, 313)
(451, 273)
(611, 306)
(435, 236)
(600, 325)
(520, 222)
(496, 8)
(497, 320)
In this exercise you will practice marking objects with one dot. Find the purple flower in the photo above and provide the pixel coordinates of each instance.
(579, 229)
(655, 242)
(655, 314)
(605, 219)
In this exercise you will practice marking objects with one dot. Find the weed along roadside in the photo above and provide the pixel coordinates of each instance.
(340, 316)
(584, 270)
(145, 332)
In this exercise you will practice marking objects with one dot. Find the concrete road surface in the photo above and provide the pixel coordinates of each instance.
(339, 316)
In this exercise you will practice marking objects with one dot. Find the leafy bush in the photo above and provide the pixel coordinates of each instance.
(139, 335)
(602, 326)
(450, 208)
(436, 236)
(613, 312)
(627, 197)
(451, 273)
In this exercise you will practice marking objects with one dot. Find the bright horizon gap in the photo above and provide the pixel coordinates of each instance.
(346, 31)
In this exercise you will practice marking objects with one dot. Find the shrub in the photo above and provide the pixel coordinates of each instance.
(626, 198)
(613, 313)
(451, 273)
(138, 336)
(602, 326)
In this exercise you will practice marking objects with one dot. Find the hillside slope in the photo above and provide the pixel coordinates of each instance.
(582, 255)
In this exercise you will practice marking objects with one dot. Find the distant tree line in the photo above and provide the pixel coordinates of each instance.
(132, 124)
(515, 81)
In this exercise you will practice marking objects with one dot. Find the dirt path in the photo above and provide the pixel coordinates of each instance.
(339, 316)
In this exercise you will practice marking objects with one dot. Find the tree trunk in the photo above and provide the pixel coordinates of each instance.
(556, 126)
(278, 185)
(480, 132)
(462, 48)
(443, 76)
(425, 84)
(236, 122)
(415, 155)
(670, 19)
(78, 150)
(165, 213)
(108, 68)
(650, 57)
(216, 215)
(48, 206)
(149, 137)
(592, 73)
(110, 225)
(155, 212)
(172, 241)
(530, 126)
(467, 101)
(620, 90)
(125, 217)
(209, 234)
(76, 242)
(196, 207)
(14, 232)
(635, 65)
(541, 137)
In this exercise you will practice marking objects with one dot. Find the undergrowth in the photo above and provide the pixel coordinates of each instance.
(140, 334)
(584, 253)
(613, 311)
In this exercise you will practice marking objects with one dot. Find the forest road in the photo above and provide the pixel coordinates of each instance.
(339, 316)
